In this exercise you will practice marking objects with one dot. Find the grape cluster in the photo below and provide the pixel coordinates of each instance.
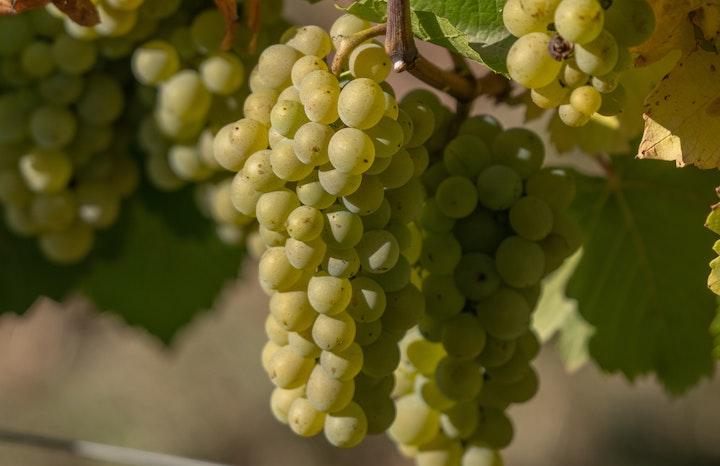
(330, 168)
(63, 165)
(570, 53)
(191, 89)
(494, 225)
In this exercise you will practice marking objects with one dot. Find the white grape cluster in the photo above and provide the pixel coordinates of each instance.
(570, 53)
(494, 225)
(192, 89)
(63, 165)
(330, 168)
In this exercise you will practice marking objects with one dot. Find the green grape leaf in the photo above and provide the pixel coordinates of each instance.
(157, 268)
(641, 282)
(481, 21)
(573, 341)
(438, 30)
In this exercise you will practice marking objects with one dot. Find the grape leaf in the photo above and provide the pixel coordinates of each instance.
(713, 224)
(673, 30)
(641, 282)
(159, 267)
(83, 12)
(682, 114)
(481, 21)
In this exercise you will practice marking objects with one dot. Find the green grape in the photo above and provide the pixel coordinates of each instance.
(463, 336)
(281, 399)
(407, 125)
(367, 198)
(12, 188)
(185, 95)
(572, 76)
(102, 100)
(614, 102)
(424, 355)
(387, 137)
(403, 309)
(160, 174)
(438, 452)
(555, 186)
(272, 238)
(361, 103)
(458, 379)
(457, 197)
(381, 356)
(98, 205)
(399, 171)
(586, 99)
(327, 394)
(345, 26)
(504, 314)
(207, 31)
(305, 223)
(369, 60)
(572, 117)
(17, 32)
(311, 40)
(320, 102)
(45, 170)
(186, 164)
(434, 220)
(115, 22)
(19, 220)
(292, 310)
(235, 142)
(343, 365)
(305, 66)
(378, 251)
(305, 255)
(605, 84)
(61, 88)
(442, 297)
(368, 300)
(476, 276)
(598, 57)
(243, 196)
(416, 423)
(222, 73)
(531, 218)
(440, 253)
(550, 96)
(420, 159)
(396, 278)
(402, 234)
(36, 60)
(275, 271)
(529, 62)
(303, 419)
(347, 427)
(630, 22)
(311, 143)
(579, 21)
(275, 332)
(154, 62)
(625, 60)
(74, 56)
(494, 428)
(379, 409)
(466, 155)
(523, 17)
(329, 295)
(522, 390)
(519, 262)
(287, 116)
(423, 122)
(480, 455)
(53, 212)
(343, 229)
(499, 187)
(289, 370)
(460, 420)
(258, 105)
(303, 344)
(428, 389)
(267, 354)
(379, 218)
(67, 246)
(333, 332)
(311, 193)
(259, 173)
(52, 126)
(337, 183)
(520, 149)
(367, 332)
(391, 105)
(351, 151)
(287, 166)
(273, 208)
(341, 263)
(485, 127)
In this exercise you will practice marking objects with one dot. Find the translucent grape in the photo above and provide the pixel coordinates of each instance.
(586, 99)
(67, 246)
(531, 218)
(303, 419)
(442, 297)
(154, 62)
(347, 427)
(329, 295)
(361, 103)
(275, 65)
(273, 208)
(415, 423)
(327, 394)
(351, 151)
(288, 370)
(463, 336)
(337, 183)
(456, 197)
(369, 61)
(235, 142)
(333, 332)
(275, 271)
(440, 253)
(311, 143)
(631, 23)
(523, 17)
(368, 300)
(222, 73)
(378, 251)
(505, 314)
(45, 170)
(476, 276)
(466, 155)
(598, 57)
(52, 127)
(305, 255)
(367, 198)
(342, 263)
(292, 310)
(343, 365)
(529, 62)
(343, 229)
(579, 21)
(499, 187)
(311, 40)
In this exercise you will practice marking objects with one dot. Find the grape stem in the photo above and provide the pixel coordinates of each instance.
(349, 43)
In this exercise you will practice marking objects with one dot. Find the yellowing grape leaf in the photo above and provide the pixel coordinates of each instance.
(682, 114)
(713, 224)
(83, 12)
(673, 31)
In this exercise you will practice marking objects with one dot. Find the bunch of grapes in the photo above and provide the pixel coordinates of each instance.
(330, 168)
(63, 165)
(494, 225)
(190, 89)
(570, 53)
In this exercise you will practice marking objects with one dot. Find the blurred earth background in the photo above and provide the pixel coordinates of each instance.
(67, 370)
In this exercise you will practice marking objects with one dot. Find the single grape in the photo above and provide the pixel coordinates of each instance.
(361, 103)
(456, 197)
(504, 314)
(288, 370)
(311, 40)
(499, 187)
(154, 62)
(529, 61)
(341, 263)
(327, 394)
(367, 198)
(347, 427)
(416, 423)
(378, 251)
(598, 57)
(329, 295)
(440, 254)
(555, 186)
(369, 61)
(579, 21)
(333, 332)
(586, 99)
(531, 218)
(275, 271)
(466, 155)
(303, 419)
(463, 336)
(343, 365)
(368, 300)
(476, 276)
(630, 22)
(292, 310)
(458, 379)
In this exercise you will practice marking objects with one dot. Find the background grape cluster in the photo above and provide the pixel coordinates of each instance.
(572, 53)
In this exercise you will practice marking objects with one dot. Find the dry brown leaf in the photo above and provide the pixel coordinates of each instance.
(13, 7)
(674, 30)
(228, 9)
(83, 12)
